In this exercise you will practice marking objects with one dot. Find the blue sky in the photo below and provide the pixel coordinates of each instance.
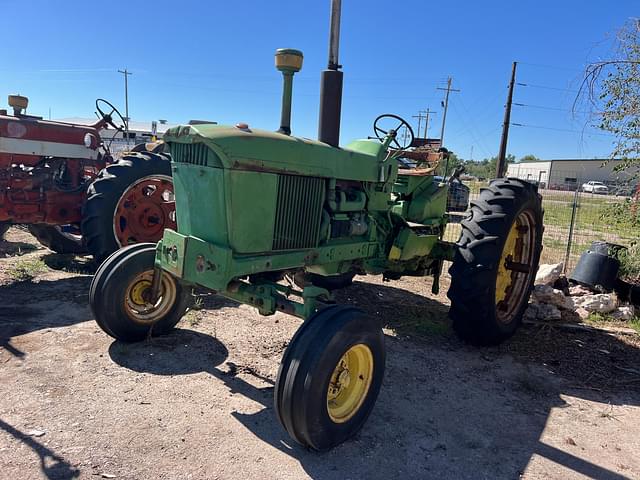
(214, 60)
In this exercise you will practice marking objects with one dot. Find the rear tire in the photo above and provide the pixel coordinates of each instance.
(496, 260)
(54, 238)
(330, 377)
(126, 204)
(119, 297)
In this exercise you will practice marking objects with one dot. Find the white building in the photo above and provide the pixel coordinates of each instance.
(567, 174)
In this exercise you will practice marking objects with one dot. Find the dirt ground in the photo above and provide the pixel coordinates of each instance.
(197, 404)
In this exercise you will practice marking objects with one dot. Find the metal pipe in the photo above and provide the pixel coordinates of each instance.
(285, 118)
(331, 85)
(571, 225)
(334, 35)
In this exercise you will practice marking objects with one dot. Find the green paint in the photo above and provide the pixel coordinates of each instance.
(250, 202)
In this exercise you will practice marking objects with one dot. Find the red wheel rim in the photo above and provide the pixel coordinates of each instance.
(144, 210)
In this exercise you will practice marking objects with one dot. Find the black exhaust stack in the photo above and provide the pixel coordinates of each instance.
(331, 85)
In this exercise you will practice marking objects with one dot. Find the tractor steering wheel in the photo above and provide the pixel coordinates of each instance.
(382, 130)
(108, 117)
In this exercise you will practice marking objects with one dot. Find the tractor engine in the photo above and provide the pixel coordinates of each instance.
(45, 166)
(346, 204)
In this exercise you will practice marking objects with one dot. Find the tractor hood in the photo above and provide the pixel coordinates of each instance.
(239, 148)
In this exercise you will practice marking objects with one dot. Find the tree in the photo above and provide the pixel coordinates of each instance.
(613, 89)
(529, 158)
(486, 168)
(450, 166)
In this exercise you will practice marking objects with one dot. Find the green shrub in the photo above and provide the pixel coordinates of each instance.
(624, 214)
(630, 262)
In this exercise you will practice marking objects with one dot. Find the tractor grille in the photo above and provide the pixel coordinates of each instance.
(298, 212)
(194, 153)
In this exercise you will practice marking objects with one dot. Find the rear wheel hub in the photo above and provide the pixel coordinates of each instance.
(144, 210)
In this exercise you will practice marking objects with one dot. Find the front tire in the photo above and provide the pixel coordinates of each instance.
(496, 260)
(330, 377)
(120, 297)
(130, 201)
(104, 269)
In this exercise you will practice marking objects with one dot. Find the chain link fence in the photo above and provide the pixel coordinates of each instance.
(575, 216)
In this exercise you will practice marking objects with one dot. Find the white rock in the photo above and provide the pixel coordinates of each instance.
(553, 296)
(542, 311)
(601, 302)
(577, 290)
(548, 273)
(624, 313)
(35, 433)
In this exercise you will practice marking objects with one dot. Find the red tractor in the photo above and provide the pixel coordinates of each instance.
(61, 180)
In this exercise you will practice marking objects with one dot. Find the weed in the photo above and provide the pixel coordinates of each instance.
(27, 268)
(198, 303)
(609, 414)
(596, 317)
(191, 317)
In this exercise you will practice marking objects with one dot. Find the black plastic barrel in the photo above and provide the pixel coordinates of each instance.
(598, 267)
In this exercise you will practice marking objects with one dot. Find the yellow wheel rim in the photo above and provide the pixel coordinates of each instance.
(349, 384)
(137, 298)
(516, 266)
(138, 291)
(504, 275)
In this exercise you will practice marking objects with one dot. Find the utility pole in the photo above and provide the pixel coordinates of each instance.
(502, 154)
(126, 74)
(424, 114)
(420, 116)
(426, 123)
(446, 106)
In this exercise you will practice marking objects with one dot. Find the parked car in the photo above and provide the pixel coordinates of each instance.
(595, 187)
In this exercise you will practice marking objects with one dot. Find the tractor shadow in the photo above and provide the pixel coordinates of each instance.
(27, 307)
(15, 248)
(185, 352)
(408, 314)
(52, 465)
(80, 264)
(445, 410)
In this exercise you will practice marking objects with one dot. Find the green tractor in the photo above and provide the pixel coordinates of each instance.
(255, 207)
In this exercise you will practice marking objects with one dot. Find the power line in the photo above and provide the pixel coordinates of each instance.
(543, 107)
(561, 129)
(546, 87)
(469, 126)
(557, 67)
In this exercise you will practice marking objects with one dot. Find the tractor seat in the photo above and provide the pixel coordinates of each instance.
(426, 161)
(417, 172)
